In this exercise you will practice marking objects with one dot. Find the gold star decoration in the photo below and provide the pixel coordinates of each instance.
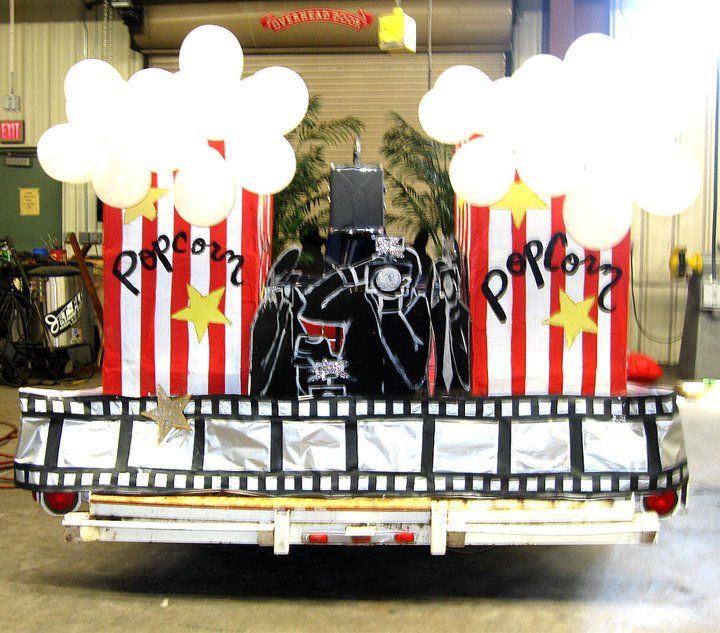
(202, 310)
(146, 208)
(169, 413)
(573, 317)
(518, 200)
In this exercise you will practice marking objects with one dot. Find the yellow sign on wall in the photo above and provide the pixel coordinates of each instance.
(29, 201)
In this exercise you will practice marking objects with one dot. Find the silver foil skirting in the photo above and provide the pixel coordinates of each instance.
(175, 451)
(614, 445)
(671, 442)
(505, 445)
(540, 446)
(32, 441)
(465, 447)
(236, 445)
(314, 445)
(89, 443)
(390, 445)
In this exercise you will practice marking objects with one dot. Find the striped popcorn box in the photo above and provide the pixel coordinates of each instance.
(547, 316)
(180, 299)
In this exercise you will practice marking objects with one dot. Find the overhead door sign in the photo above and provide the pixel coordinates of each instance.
(12, 131)
(358, 21)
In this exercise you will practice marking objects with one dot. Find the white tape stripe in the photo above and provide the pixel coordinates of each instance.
(499, 335)
(163, 287)
(573, 356)
(199, 352)
(130, 308)
(602, 376)
(537, 305)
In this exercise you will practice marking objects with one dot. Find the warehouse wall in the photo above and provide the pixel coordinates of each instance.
(50, 36)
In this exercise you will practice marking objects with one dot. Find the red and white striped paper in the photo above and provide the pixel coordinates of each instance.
(523, 355)
(144, 347)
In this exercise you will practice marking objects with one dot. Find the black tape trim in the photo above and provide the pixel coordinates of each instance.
(53, 440)
(124, 441)
(428, 445)
(653, 447)
(276, 445)
(577, 459)
(351, 444)
(198, 457)
(504, 447)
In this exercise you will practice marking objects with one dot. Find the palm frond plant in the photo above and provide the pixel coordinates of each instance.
(418, 181)
(303, 203)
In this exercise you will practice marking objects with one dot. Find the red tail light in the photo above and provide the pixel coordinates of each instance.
(361, 539)
(404, 537)
(60, 502)
(663, 503)
(318, 539)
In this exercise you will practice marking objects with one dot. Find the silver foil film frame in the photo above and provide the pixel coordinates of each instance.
(392, 445)
(465, 447)
(540, 446)
(237, 445)
(32, 442)
(314, 445)
(89, 443)
(671, 442)
(175, 452)
(614, 445)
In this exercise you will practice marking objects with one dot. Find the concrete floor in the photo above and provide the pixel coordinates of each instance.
(47, 585)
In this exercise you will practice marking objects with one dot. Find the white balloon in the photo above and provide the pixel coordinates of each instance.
(91, 76)
(596, 214)
(263, 164)
(209, 108)
(548, 164)
(68, 153)
(204, 189)
(211, 51)
(499, 114)
(92, 110)
(541, 69)
(445, 116)
(482, 171)
(119, 179)
(462, 79)
(597, 56)
(666, 179)
(276, 99)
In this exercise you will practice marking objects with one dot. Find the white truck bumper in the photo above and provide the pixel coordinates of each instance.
(438, 523)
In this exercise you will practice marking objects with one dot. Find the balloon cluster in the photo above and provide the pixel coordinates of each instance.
(598, 126)
(118, 132)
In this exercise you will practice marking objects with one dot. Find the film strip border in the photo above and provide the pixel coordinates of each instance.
(248, 407)
(357, 483)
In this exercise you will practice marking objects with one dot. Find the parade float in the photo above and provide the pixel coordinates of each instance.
(479, 400)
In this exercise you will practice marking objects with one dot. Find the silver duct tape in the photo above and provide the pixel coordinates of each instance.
(88, 443)
(314, 446)
(614, 445)
(174, 452)
(390, 445)
(236, 445)
(32, 442)
(540, 446)
(671, 442)
(465, 447)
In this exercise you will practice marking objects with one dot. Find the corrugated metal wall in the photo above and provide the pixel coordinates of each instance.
(50, 36)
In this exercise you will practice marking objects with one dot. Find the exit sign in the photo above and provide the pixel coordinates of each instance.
(12, 131)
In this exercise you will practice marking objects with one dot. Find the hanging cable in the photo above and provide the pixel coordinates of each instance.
(716, 174)
(429, 43)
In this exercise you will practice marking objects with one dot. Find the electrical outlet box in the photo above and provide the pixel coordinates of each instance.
(710, 297)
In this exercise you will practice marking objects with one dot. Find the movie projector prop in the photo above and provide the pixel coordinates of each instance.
(597, 127)
(166, 123)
